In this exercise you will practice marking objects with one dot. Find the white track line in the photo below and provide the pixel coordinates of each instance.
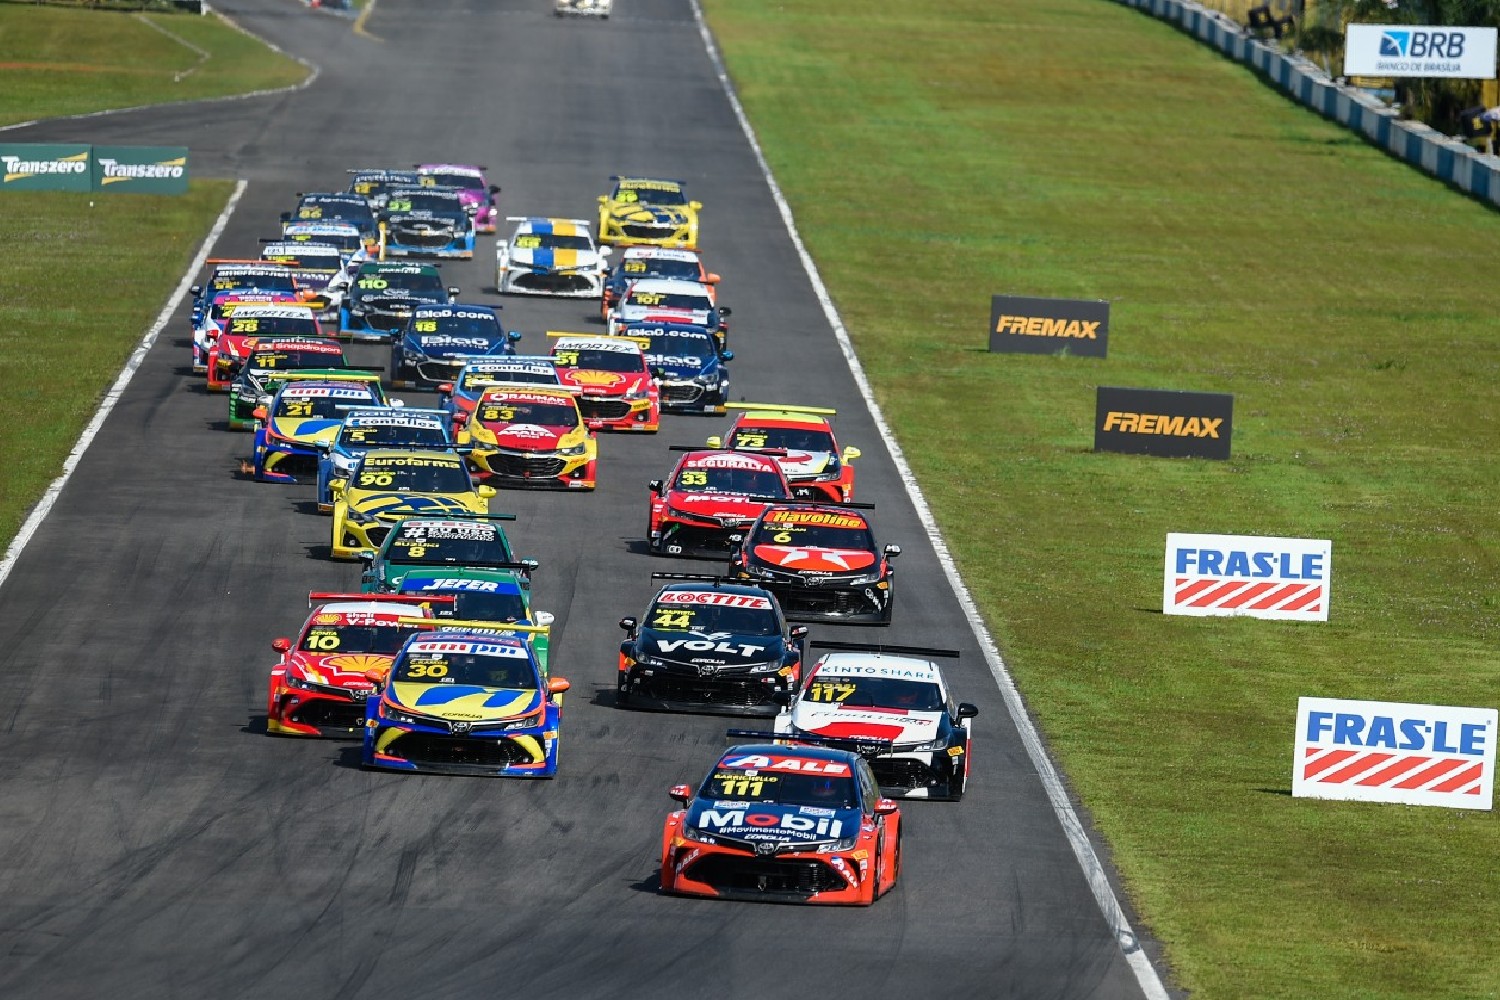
(203, 54)
(44, 505)
(1093, 869)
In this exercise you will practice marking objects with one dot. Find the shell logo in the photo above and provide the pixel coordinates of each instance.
(596, 379)
(329, 619)
(357, 663)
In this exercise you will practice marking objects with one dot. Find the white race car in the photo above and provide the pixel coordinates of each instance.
(550, 257)
(890, 704)
(582, 8)
(667, 300)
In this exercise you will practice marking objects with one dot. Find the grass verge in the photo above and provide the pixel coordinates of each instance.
(63, 62)
(936, 151)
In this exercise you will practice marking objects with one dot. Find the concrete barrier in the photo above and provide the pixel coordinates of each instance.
(1448, 159)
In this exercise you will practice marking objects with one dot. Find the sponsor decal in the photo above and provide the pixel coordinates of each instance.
(447, 583)
(140, 169)
(410, 463)
(45, 167)
(715, 642)
(470, 648)
(713, 598)
(730, 461)
(745, 821)
(319, 392)
(815, 517)
(1419, 50)
(1163, 422)
(1376, 751)
(1023, 325)
(761, 762)
(1286, 579)
(596, 379)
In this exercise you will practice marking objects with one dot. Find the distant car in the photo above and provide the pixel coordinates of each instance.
(617, 389)
(704, 507)
(386, 486)
(467, 702)
(804, 445)
(335, 206)
(460, 396)
(302, 416)
(689, 366)
(238, 280)
(271, 362)
(669, 300)
(439, 340)
(469, 181)
(384, 295)
(230, 338)
(795, 824)
(709, 645)
(821, 562)
(350, 240)
(639, 262)
(582, 8)
(648, 210)
(521, 436)
(316, 267)
(427, 222)
(549, 257)
(375, 185)
(378, 428)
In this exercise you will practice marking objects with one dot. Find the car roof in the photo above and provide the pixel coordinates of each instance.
(780, 418)
(726, 458)
(804, 751)
(660, 253)
(885, 665)
(706, 586)
(679, 285)
(384, 609)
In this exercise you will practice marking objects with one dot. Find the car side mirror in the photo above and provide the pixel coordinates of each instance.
(324, 447)
(725, 311)
(715, 442)
(783, 698)
(544, 618)
(486, 491)
(681, 793)
(695, 205)
(726, 355)
(337, 485)
(892, 551)
(286, 216)
(445, 388)
(376, 676)
(886, 807)
(512, 336)
(603, 199)
(557, 685)
(851, 453)
(494, 189)
(282, 645)
(453, 290)
(798, 632)
(529, 565)
(655, 485)
(628, 623)
(397, 402)
(711, 279)
(260, 413)
(366, 556)
(196, 290)
(605, 251)
(658, 372)
(967, 711)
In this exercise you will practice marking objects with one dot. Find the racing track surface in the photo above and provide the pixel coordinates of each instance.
(153, 843)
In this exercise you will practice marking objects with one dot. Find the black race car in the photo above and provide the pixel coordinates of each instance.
(334, 206)
(821, 561)
(384, 295)
(440, 340)
(709, 645)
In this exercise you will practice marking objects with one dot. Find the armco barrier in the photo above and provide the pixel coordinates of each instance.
(1446, 158)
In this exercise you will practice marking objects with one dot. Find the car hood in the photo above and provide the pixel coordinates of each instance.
(402, 504)
(345, 670)
(306, 430)
(767, 822)
(849, 722)
(816, 560)
(530, 437)
(465, 702)
(601, 383)
(442, 345)
(804, 463)
(683, 365)
(654, 215)
(546, 259)
(709, 648)
(717, 504)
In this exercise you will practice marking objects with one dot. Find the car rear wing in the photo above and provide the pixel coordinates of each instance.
(454, 625)
(641, 342)
(368, 375)
(705, 577)
(880, 647)
(704, 447)
(316, 597)
(865, 747)
(840, 504)
(786, 408)
(585, 223)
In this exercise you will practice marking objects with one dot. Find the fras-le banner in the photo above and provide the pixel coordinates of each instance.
(1255, 575)
(1380, 751)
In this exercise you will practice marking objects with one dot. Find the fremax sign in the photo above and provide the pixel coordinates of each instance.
(1254, 575)
(1378, 751)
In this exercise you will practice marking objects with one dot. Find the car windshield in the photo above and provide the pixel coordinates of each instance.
(853, 534)
(344, 241)
(312, 257)
(660, 267)
(393, 435)
(413, 475)
(334, 211)
(433, 661)
(464, 323)
(475, 382)
(874, 692)
(272, 326)
(754, 482)
(291, 358)
(600, 361)
(451, 179)
(651, 195)
(323, 403)
(561, 414)
(687, 348)
(451, 543)
(424, 201)
(370, 284)
(669, 300)
(552, 241)
(385, 638)
(261, 281)
(790, 438)
(784, 787)
(712, 611)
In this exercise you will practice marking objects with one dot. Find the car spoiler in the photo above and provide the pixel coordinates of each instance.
(706, 577)
(642, 342)
(243, 260)
(316, 597)
(585, 223)
(704, 447)
(454, 625)
(880, 647)
(840, 504)
(865, 747)
(821, 410)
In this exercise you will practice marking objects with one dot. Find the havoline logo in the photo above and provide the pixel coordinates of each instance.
(17, 168)
(113, 171)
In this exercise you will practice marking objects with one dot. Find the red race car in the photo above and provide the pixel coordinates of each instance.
(808, 451)
(320, 686)
(710, 498)
(799, 824)
(617, 389)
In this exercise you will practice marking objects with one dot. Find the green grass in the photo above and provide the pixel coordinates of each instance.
(938, 151)
(61, 62)
(56, 335)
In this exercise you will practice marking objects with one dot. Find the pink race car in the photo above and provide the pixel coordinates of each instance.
(476, 194)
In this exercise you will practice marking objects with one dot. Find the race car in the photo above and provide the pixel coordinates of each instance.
(303, 415)
(460, 396)
(375, 185)
(638, 262)
(711, 497)
(335, 206)
(689, 366)
(386, 486)
(271, 362)
(807, 449)
(467, 702)
(795, 824)
(238, 279)
(821, 562)
(439, 340)
(426, 222)
(379, 428)
(319, 687)
(709, 645)
(617, 390)
(384, 294)
(233, 325)
(353, 248)
(582, 8)
(316, 267)
(670, 300)
(891, 705)
(496, 595)
(439, 546)
(645, 210)
(549, 257)
(531, 437)
(478, 194)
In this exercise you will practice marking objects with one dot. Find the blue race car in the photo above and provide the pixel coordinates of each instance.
(689, 365)
(427, 222)
(380, 428)
(303, 415)
(467, 701)
(439, 340)
(382, 296)
(336, 206)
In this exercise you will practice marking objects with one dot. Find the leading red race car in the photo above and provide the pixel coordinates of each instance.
(617, 389)
(710, 498)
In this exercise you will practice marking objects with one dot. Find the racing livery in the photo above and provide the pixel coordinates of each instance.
(531, 437)
(380, 428)
(616, 389)
(688, 363)
(426, 222)
(637, 262)
(383, 296)
(303, 415)
(440, 546)
(476, 193)
(439, 340)
(670, 300)
(647, 210)
(233, 325)
(386, 486)
(711, 497)
(804, 445)
(549, 257)
(891, 705)
(707, 645)
(460, 396)
(798, 824)
(821, 561)
(346, 236)
(248, 280)
(270, 362)
(467, 702)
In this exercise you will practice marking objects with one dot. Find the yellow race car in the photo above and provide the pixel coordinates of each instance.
(525, 436)
(653, 212)
(386, 486)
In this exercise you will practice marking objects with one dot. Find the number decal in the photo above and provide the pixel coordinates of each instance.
(311, 212)
(745, 440)
(398, 205)
(830, 691)
(528, 242)
(244, 325)
(323, 641)
(417, 551)
(568, 359)
(691, 478)
(647, 298)
(426, 326)
(376, 478)
(672, 619)
(782, 537)
(742, 787)
(363, 187)
(356, 435)
(437, 669)
(635, 267)
(298, 408)
(373, 283)
(427, 182)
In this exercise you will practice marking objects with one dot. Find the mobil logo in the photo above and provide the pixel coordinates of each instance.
(1285, 579)
(1377, 751)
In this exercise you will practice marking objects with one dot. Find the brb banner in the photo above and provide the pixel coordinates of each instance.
(1046, 326)
(1419, 50)
(1261, 577)
(1379, 751)
(1163, 422)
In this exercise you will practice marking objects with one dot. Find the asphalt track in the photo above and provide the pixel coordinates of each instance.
(154, 843)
